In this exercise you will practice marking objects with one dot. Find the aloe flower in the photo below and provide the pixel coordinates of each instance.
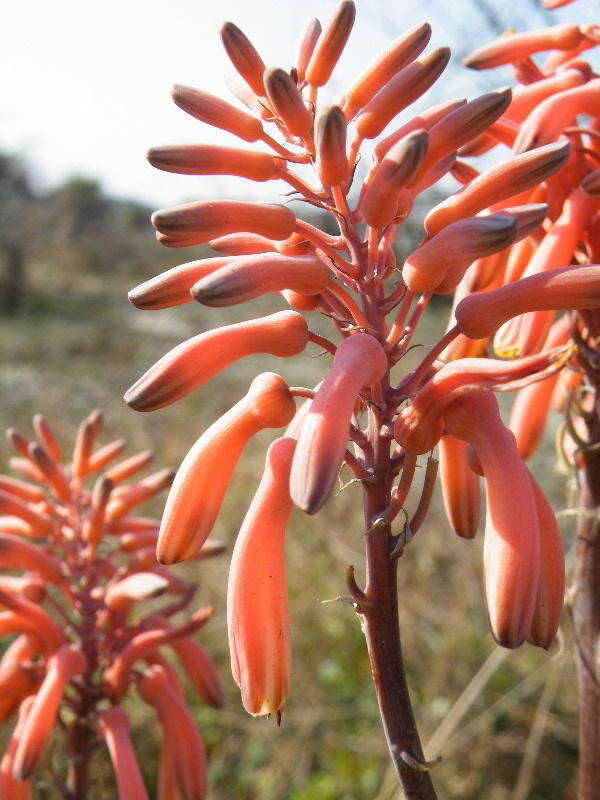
(373, 303)
(75, 573)
(557, 101)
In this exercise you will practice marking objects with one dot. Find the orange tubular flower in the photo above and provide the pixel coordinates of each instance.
(67, 662)
(460, 487)
(532, 404)
(286, 100)
(547, 121)
(10, 788)
(402, 90)
(205, 159)
(193, 363)
(204, 476)
(206, 220)
(359, 361)
(512, 549)
(257, 604)
(497, 184)
(330, 44)
(115, 729)
(516, 46)
(214, 111)
(551, 584)
(16, 681)
(244, 57)
(479, 315)
(419, 426)
(76, 645)
(332, 164)
(186, 750)
(397, 55)
(455, 248)
(254, 276)
(380, 202)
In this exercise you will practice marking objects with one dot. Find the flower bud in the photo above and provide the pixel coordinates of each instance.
(47, 437)
(419, 426)
(193, 363)
(516, 46)
(461, 125)
(120, 596)
(397, 55)
(423, 121)
(115, 729)
(243, 244)
(254, 276)
(186, 754)
(497, 184)
(380, 202)
(479, 315)
(204, 476)
(402, 90)
(131, 466)
(455, 248)
(532, 403)
(172, 288)
(330, 44)
(17, 554)
(106, 454)
(548, 120)
(132, 496)
(332, 163)
(218, 113)
(21, 490)
(287, 103)
(207, 219)
(359, 361)
(306, 47)
(526, 98)
(257, 604)
(511, 546)
(67, 662)
(10, 788)
(244, 57)
(52, 470)
(460, 487)
(551, 584)
(15, 680)
(207, 159)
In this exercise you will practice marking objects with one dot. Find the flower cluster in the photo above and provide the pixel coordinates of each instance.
(76, 567)
(359, 414)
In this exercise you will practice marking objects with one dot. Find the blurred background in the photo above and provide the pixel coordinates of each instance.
(88, 93)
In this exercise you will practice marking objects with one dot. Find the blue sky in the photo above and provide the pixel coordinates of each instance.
(86, 87)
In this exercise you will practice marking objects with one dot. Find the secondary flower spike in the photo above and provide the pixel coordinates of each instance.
(257, 603)
(204, 476)
(78, 601)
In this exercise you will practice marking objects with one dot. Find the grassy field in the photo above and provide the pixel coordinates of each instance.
(504, 723)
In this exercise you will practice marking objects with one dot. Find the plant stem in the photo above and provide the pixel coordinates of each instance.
(382, 632)
(80, 746)
(586, 614)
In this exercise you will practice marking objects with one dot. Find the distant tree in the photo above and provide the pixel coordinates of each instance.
(17, 198)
